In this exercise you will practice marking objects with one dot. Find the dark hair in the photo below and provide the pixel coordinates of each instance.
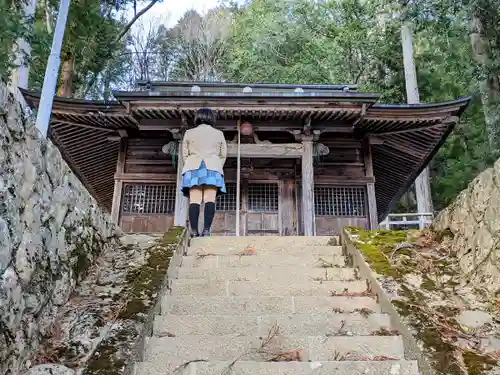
(204, 116)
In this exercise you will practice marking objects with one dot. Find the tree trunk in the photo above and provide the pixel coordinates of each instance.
(48, 17)
(490, 84)
(67, 76)
(107, 84)
(22, 50)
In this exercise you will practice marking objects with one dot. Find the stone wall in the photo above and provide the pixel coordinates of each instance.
(101, 330)
(473, 221)
(51, 230)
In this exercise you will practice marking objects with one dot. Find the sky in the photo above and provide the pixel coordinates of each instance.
(173, 10)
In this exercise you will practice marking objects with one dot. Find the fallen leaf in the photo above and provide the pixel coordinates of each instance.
(249, 251)
(290, 356)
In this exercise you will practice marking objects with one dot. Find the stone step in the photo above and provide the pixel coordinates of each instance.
(400, 367)
(261, 260)
(235, 346)
(269, 248)
(267, 274)
(201, 305)
(202, 287)
(261, 242)
(255, 324)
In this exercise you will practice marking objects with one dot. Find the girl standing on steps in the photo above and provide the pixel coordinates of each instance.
(204, 151)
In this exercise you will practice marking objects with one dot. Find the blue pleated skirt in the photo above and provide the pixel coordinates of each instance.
(200, 177)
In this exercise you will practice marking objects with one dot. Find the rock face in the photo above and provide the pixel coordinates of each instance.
(90, 315)
(474, 221)
(101, 329)
(51, 230)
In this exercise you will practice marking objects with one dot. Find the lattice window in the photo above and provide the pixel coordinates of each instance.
(340, 201)
(145, 199)
(227, 202)
(263, 197)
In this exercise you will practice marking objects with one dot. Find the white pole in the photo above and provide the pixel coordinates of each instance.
(422, 183)
(52, 71)
(238, 171)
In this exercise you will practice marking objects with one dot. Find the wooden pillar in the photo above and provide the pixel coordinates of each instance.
(181, 202)
(308, 186)
(117, 192)
(370, 187)
(287, 208)
(244, 206)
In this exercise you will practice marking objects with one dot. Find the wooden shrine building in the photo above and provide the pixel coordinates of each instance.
(319, 158)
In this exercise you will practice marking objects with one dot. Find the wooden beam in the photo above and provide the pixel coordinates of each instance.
(342, 181)
(334, 127)
(117, 192)
(123, 133)
(261, 126)
(56, 123)
(181, 202)
(414, 129)
(146, 177)
(308, 186)
(264, 150)
(402, 147)
(370, 187)
(361, 116)
(374, 140)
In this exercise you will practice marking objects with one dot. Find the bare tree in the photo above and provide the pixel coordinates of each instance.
(152, 47)
(202, 44)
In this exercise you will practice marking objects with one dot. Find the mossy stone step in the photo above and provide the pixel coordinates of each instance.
(314, 348)
(267, 273)
(400, 367)
(305, 324)
(262, 242)
(271, 248)
(265, 305)
(203, 287)
(209, 260)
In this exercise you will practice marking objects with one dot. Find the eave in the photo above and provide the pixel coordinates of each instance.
(409, 135)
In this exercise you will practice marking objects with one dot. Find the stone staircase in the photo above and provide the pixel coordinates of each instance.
(270, 305)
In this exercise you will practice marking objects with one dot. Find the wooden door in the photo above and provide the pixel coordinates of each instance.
(259, 210)
(337, 207)
(147, 208)
(261, 214)
(224, 223)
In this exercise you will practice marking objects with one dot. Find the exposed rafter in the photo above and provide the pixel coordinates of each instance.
(403, 137)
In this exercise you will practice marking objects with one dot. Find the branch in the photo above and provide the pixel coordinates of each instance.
(48, 20)
(133, 20)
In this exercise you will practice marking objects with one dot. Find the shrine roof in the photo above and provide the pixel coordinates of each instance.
(86, 131)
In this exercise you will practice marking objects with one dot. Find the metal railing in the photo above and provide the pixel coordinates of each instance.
(407, 221)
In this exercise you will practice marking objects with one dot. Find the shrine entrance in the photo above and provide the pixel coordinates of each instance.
(259, 209)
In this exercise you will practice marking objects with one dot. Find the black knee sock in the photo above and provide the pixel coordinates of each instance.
(194, 214)
(209, 215)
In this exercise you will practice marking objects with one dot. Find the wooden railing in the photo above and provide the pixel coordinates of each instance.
(407, 221)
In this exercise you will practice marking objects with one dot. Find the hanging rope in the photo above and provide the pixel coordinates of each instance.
(171, 148)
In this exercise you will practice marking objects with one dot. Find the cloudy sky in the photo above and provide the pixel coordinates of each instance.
(172, 10)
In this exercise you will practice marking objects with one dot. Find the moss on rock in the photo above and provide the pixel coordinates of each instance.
(144, 282)
(478, 364)
(109, 358)
(143, 286)
(377, 247)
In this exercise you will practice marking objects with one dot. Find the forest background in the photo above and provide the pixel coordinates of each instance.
(110, 44)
